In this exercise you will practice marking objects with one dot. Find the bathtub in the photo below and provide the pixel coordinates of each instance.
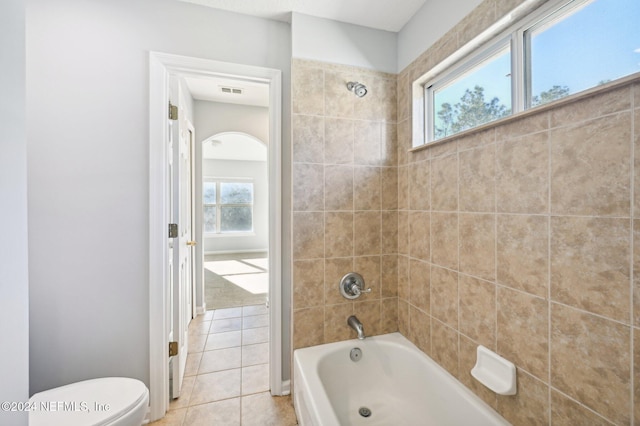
(396, 382)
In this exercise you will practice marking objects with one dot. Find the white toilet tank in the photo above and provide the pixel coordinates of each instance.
(109, 401)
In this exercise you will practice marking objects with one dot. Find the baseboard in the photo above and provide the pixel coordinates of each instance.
(286, 387)
(201, 310)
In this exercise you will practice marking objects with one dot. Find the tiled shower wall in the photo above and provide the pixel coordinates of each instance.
(523, 238)
(345, 200)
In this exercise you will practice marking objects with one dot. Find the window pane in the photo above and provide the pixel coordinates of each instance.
(236, 219)
(591, 46)
(236, 193)
(209, 219)
(481, 95)
(209, 193)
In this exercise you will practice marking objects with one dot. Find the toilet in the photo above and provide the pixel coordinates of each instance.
(109, 401)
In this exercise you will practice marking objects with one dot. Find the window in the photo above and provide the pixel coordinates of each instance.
(228, 206)
(565, 47)
(477, 96)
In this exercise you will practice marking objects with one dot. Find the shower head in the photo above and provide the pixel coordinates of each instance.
(358, 88)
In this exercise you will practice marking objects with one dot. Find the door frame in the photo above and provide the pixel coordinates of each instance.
(161, 65)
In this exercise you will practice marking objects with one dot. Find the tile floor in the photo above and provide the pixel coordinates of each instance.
(227, 375)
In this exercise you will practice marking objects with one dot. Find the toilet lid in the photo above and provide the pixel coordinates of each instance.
(91, 402)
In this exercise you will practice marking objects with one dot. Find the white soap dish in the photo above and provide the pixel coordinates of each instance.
(495, 372)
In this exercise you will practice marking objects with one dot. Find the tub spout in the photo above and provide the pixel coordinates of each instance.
(355, 323)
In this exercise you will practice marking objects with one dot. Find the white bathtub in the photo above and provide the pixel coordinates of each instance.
(397, 382)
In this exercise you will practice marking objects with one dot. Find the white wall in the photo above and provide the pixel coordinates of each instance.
(212, 118)
(431, 22)
(14, 281)
(87, 121)
(257, 171)
(330, 41)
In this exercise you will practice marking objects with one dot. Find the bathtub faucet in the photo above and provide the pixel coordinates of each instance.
(355, 323)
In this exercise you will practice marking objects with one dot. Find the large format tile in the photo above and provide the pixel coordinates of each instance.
(216, 386)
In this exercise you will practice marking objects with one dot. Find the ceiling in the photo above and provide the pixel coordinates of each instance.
(219, 89)
(388, 15)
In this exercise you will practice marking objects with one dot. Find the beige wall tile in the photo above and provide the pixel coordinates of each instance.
(444, 239)
(335, 322)
(466, 360)
(367, 194)
(523, 126)
(444, 183)
(530, 406)
(369, 315)
(419, 228)
(308, 187)
(590, 172)
(523, 331)
(389, 276)
(367, 232)
(404, 141)
(420, 329)
(590, 264)
(636, 272)
(367, 143)
(404, 96)
(334, 270)
(567, 412)
(389, 188)
(636, 161)
(477, 139)
(370, 269)
(338, 190)
(308, 138)
(308, 327)
(522, 174)
(403, 277)
(481, 18)
(590, 361)
(477, 243)
(338, 141)
(419, 287)
(636, 376)
(389, 315)
(389, 232)
(594, 106)
(389, 149)
(403, 187)
(523, 253)
(477, 188)
(308, 283)
(308, 235)
(444, 295)
(307, 90)
(444, 346)
(478, 310)
(419, 182)
(338, 234)
(403, 232)
(339, 102)
(403, 317)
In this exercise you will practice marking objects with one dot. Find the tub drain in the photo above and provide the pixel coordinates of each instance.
(364, 412)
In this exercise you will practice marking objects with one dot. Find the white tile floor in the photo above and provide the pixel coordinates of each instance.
(227, 375)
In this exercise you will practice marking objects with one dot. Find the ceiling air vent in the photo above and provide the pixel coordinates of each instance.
(232, 90)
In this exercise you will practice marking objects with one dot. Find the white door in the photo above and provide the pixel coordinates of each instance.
(180, 200)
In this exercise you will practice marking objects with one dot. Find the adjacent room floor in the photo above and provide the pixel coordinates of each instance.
(235, 279)
(227, 376)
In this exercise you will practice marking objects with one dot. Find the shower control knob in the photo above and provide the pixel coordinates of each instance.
(352, 286)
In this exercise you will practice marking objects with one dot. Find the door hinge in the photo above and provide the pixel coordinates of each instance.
(173, 112)
(173, 348)
(173, 230)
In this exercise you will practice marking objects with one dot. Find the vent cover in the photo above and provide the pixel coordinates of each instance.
(232, 90)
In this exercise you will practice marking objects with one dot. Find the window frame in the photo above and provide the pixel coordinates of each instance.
(218, 206)
(470, 55)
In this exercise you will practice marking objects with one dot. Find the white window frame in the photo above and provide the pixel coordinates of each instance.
(477, 50)
(218, 205)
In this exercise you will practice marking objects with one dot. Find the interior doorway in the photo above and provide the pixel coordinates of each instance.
(162, 66)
